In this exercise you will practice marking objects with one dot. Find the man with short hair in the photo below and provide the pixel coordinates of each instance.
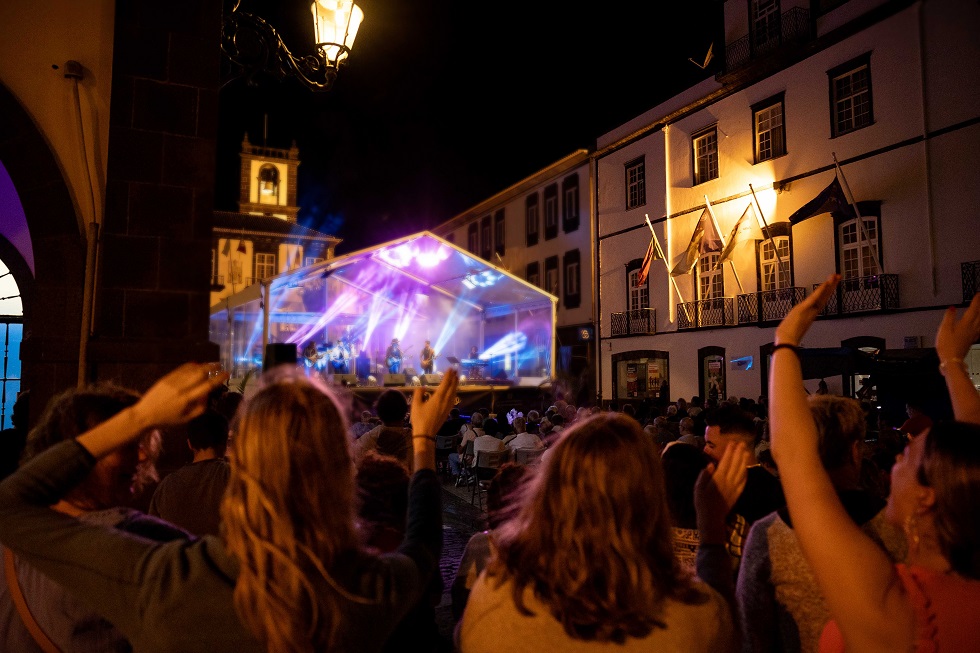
(392, 438)
(686, 428)
(357, 429)
(191, 496)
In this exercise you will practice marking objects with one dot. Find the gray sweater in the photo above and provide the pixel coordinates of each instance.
(177, 596)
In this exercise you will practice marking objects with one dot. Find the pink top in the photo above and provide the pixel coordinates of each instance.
(946, 606)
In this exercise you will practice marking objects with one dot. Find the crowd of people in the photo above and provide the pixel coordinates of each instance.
(723, 525)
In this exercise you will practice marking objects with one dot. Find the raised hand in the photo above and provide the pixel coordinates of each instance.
(429, 415)
(955, 337)
(179, 396)
(797, 322)
(719, 487)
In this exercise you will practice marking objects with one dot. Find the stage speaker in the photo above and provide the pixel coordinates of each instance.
(279, 353)
(431, 379)
(394, 379)
(410, 372)
(345, 379)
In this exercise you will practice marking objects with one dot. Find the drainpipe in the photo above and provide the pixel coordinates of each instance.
(930, 222)
(596, 277)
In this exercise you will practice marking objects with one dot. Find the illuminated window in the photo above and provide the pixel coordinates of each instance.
(774, 259)
(711, 281)
(551, 212)
(268, 184)
(705, 145)
(858, 248)
(639, 296)
(850, 96)
(313, 260)
(235, 271)
(11, 335)
(531, 219)
(636, 194)
(770, 132)
(265, 266)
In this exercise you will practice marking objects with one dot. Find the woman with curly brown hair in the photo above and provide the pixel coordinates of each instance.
(588, 559)
(289, 574)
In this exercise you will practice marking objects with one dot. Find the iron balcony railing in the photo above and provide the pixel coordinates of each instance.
(794, 27)
(706, 313)
(638, 322)
(217, 279)
(768, 305)
(970, 271)
(877, 292)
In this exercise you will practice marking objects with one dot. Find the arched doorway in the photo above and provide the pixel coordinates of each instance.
(11, 335)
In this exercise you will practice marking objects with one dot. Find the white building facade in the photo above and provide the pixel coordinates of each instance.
(889, 89)
(539, 229)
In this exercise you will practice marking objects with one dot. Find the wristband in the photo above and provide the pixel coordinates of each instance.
(785, 345)
(944, 365)
(430, 438)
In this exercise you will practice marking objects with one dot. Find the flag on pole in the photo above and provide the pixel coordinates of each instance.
(226, 250)
(745, 229)
(297, 259)
(704, 240)
(651, 256)
(830, 199)
(241, 247)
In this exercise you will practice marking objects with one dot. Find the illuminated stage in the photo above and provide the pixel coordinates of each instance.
(344, 312)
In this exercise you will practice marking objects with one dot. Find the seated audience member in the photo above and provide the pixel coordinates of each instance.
(587, 561)
(930, 603)
(533, 420)
(460, 458)
(501, 493)
(687, 435)
(67, 622)
(291, 490)
(682, 465)
(363, 426)
(523, 439)
(727, 425)
(191, 496)
(488, 441)
(781, 607)
(453, 425)
(392, 438)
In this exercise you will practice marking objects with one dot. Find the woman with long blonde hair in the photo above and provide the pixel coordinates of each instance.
(289, 573)
(588, 561)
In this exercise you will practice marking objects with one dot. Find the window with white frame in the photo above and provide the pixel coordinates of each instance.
(636, 194)
(770, 132)
(531, 219)
(639, 293)
(858, 247)
(774, 262)
(570, 217)
(711, 280)
(705, 146)
(265, 266)
(551, 212)
(573, 283)
(551, 275)
(234, 271)
(850, 96)
(313, 260)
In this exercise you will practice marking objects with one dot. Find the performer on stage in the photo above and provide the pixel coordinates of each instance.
(474, 354)
(393, 357)
(310, 354)
(427, 358)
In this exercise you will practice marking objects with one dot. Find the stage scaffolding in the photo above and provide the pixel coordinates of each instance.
(416, 288)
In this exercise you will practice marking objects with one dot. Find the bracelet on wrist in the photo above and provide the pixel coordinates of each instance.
(956, 362)
(785, 345)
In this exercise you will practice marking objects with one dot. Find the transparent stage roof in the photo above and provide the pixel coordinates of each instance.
(416, 288)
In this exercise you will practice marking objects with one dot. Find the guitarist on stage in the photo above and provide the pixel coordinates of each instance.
(393, 357)
(427, 357)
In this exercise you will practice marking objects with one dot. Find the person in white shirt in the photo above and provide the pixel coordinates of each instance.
(470, 432)
(523, 439)
(488, 441)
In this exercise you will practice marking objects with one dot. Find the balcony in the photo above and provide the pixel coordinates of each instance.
(706, 313)
(768, 305)
(639, 322)
(878, 292)
(217, 282)
(793, 27)
(970, 272)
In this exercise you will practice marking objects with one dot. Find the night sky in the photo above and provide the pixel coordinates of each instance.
(443, 104)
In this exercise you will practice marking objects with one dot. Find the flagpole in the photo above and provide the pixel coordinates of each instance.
(660, 253)
(763, 216)
(721, 237)
(850, 198)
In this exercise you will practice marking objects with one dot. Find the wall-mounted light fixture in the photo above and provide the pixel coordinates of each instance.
(253, 46)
